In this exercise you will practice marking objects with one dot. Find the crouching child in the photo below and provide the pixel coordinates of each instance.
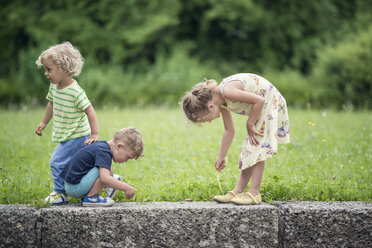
(90, 169)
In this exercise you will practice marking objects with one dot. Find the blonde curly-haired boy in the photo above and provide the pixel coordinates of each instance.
(74, 118)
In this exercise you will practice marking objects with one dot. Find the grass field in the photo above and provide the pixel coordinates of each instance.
(329, 158)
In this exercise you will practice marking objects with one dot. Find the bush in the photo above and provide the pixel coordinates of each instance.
(162, 83)
(343, 73)
(8, 92)
(292, 85)
(27, 84)
(169, 78)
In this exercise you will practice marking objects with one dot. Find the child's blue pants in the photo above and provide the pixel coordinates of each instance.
(60, 157)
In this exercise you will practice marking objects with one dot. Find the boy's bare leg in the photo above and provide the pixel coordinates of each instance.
(96, 188)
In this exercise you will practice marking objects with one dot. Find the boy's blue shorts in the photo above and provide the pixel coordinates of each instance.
(82, 189)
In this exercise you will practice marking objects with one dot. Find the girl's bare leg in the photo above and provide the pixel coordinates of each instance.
(257, 173)
(244, 178)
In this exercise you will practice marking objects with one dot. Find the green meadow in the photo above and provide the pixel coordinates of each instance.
(329, 157)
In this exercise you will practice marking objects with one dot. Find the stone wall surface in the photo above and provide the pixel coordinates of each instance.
(326, 224)
(20, 226)
(189, 224)
(160, 224)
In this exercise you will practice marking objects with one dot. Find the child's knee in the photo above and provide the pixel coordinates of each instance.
(246, 171)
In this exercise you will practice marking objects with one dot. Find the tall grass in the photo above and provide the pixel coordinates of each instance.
(329, 158)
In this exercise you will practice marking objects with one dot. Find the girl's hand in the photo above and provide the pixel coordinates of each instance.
(93, 138)
(220, 164)
(39, 128)
(129, 193)
(252, 135)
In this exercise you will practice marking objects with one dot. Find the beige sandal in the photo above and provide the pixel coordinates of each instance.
(226, 198)
(252, 200)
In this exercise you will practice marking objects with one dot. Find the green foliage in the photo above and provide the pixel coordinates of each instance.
(137, 40)
(109, 31)
(164, 82)
(8, 92)
(323, 162)
(343, 73)
(30, 81)
(294, 86)
(266, 33)
(228, 22)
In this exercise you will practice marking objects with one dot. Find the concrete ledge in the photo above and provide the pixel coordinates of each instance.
(325, 224)
(160, 224)
(189, 224)
(20, 226)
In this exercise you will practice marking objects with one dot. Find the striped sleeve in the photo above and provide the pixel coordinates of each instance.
(82, 102)
(49, 96)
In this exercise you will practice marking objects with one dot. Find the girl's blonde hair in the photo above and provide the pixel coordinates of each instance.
(132, 140)
(194, 103)
(64, 56)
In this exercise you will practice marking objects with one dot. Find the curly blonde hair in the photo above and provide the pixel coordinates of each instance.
(65, 56)
(132, 140)
(195, 102)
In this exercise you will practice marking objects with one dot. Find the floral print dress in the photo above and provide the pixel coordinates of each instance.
(273, 122)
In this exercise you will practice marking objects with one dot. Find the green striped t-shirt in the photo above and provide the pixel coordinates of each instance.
(69, 119)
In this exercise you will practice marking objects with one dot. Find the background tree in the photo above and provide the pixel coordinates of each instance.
(152, 51)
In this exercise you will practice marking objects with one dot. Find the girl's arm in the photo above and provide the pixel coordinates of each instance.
(47, 117)
(234, 91)
(107, 179)
(227, 138)
(93, 122)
